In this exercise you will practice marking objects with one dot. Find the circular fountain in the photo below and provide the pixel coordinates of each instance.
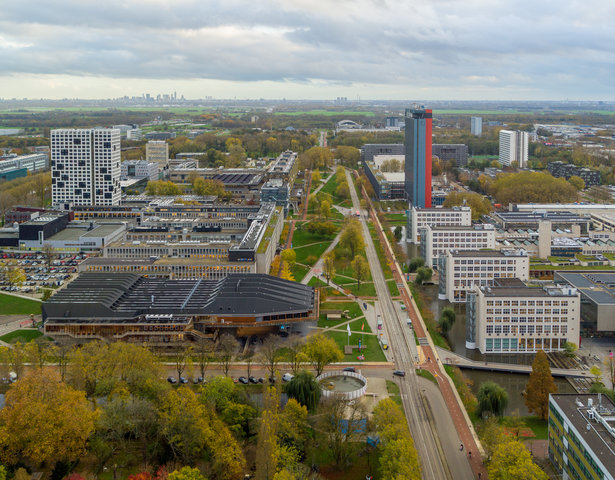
(348, 385)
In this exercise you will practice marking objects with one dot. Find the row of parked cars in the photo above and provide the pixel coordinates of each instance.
(287, 377)
(38, 272)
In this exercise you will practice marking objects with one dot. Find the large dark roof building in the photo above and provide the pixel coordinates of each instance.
(135, 308)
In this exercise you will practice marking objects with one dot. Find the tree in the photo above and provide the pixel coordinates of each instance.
(577, 182)
(296, 356)
(11, 271)
(491, 435)
(270, 354)
(343, 423)
(287, 273)
(352, 238)
(226, 352)
(182, 358)
(492, 399)
(321, 351)
(186, 473)
(48, 252)
(203, 354)
(316, 177)
(447, 320)
(325, 209)
(289, 256)
(361, 269)
(349, 156)
(511, 460)
(531, 187)
(540, 385)
(305, 389)
(479, 204)
(415, 264)
(397, 233)
(328, 266)
(38, 351)
(609, 363)
(570, 349)
(44, 420)
(423, 274)
(342, 190)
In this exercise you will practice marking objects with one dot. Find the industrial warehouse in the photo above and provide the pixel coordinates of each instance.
(134, 308)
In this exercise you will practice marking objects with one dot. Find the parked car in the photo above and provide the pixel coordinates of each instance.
(183, 380)
(399, 373)
(243, 380)
(172, 380)
(349, 369)
(253, 379)
(196, 380)
(287, 377)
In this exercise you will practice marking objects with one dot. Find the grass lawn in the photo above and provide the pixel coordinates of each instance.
(426, 374)
(299, 271)
(427, 315)
(381, 257)
(538, 426)
(366, 289)
(393, 391)
(12, 305)
(23, 336)
(395, 219)
(316, 282)
(354, 310)
(370, 346)
(394, 291)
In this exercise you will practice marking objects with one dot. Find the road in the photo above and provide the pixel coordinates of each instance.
(402, 344)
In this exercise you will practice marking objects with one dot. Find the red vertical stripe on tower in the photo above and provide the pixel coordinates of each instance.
(428, 159)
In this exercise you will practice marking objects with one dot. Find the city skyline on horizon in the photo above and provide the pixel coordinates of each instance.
(300, 50)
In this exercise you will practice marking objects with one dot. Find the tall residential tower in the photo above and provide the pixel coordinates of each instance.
(418, 157)
(476, 126)
(85, 166)
(513, 148)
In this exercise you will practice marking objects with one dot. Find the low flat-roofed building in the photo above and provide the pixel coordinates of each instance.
(460, 271)
(603, 221)
(386, 185)
(531, 220)
(243, 183)
(77, 237)
(582, 436)
(597, 289)
(438, 240)
(129, 307)
(515, 318)
(421, 217)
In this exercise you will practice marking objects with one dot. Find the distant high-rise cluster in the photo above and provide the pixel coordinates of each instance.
(418, 157)
(85, 166)
(513, 148)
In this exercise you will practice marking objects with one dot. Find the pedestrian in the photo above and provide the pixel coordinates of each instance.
(479, 474)
(470, 454)
(461, 448)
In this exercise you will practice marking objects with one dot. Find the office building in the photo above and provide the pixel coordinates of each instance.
(566, 170)
(461, 270)
(133, 308)
(582, 436)
(370, 150)
(514, 148)
(436, 241)
(140, 169)
(418, 157)
(476, 126)
(14, 166)
(85, 166)
(435, 217)
(386, 185)
(597, 289)
(455, 151)
(157, 151)
(511, 317)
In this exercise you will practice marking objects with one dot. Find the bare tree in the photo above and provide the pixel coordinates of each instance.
(182, 360)
(297, 357)
(48, 252)
(204, 354)
(270, 354)
(226, 352)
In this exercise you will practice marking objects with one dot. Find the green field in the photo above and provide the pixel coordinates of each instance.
(23, 336)
(326, 113)
(12, 305)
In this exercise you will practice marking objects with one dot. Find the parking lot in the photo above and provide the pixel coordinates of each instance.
(38, 273)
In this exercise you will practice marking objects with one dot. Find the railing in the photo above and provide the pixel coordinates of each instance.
(345, 395)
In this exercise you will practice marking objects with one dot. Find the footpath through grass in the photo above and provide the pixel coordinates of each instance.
(12, 305)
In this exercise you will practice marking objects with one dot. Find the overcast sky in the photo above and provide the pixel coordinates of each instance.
(317, 49)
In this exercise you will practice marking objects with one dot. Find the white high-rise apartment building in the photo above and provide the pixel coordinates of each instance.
(521, 319)
(514, 147)
(476, 126)
(436, 241)
(85, 166)
(157, 151)
(460, 271)
(421, 217)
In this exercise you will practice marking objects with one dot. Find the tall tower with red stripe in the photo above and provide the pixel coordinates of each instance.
(418, 157)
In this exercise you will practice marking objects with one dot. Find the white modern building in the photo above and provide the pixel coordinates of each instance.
(421, 217)
(476, 126)
(461, 270)
(521, 319)
(439, 240)
(140, 169)
(514, 147)
(34, 162)
(157, 151)
(85, 166)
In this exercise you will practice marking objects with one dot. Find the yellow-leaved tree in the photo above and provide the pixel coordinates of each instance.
(44, 420)
(512, 460)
